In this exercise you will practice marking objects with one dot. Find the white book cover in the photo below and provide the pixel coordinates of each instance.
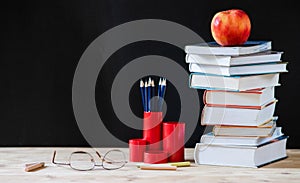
(232, 83)
(240, 69)
(255, 97)
(210, 138)
(264, 130)
(211, 115)
(255, 58)
(241, 156)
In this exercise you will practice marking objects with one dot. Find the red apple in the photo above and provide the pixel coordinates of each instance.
(231, 27)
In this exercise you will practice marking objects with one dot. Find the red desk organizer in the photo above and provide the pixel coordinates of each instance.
(152, 129)
(155, 157)
(137, 149)
(173, 140)
(165, 141)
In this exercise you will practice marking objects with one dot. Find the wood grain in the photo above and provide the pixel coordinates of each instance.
(13, 160)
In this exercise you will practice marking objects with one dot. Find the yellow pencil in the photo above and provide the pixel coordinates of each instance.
(176, 164)
(150, 167)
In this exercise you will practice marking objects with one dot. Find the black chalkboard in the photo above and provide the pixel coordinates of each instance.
(42, 42)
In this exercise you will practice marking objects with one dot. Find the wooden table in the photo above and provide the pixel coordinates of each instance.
(13, 160)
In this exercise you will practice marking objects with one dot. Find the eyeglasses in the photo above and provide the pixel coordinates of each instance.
(82, 160)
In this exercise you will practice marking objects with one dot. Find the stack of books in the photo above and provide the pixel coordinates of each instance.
(239, 103)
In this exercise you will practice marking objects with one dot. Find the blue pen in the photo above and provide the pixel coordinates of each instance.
(149, 95)
(146, 96)
(163, 91)
(159, 93)
(159, 88)
(153, 96)
(142, 89)
(164, 85)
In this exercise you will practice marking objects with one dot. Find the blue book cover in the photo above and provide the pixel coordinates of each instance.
(213, 48)
(246, 44)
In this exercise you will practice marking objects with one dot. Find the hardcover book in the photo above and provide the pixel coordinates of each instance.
(255, 97)
(213, 48)
(239, 69)
(255, 58)
(264, 130)
(239, 116)
(210, 138)
(241, 156)
(233, 83)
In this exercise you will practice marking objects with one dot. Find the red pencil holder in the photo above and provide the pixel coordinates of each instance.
(152, 129)
(155, 157)
(173, 140)
(137, 148)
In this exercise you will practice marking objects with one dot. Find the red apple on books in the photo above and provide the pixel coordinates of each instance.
(231, 27)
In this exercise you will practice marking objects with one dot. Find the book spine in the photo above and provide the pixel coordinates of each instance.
(196, 154)
(187, 58)
(190, 80)
(202, 116)
(204, 97)
(234, 106)
(253, 91)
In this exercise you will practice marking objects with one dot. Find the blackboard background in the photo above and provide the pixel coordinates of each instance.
(42, 42)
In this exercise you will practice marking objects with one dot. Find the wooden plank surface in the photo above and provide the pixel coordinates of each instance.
(13, 160)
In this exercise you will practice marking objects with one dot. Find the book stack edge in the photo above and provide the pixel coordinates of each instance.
(239, 103)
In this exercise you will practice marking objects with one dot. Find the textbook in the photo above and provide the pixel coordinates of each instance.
(233, 83)
(210, 138)
(264, 130)
(240, 116)
(241, 156)
(255, 58)
(255, 97)
(239, 69)
(213, 48)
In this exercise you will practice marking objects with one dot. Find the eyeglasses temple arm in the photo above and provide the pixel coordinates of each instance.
(58, 163)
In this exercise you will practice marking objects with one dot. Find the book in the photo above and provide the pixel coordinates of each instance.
(210, 138)
(213, 48)
(255, 97)
(233, 83)
(254, 58)
(241, 156)
(264, 130)
(240, 116)
(239, 69)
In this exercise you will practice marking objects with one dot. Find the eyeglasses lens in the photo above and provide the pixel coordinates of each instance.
(114, 159)
(82, 161)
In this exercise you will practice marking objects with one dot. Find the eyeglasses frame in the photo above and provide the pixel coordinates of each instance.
(92, 160)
